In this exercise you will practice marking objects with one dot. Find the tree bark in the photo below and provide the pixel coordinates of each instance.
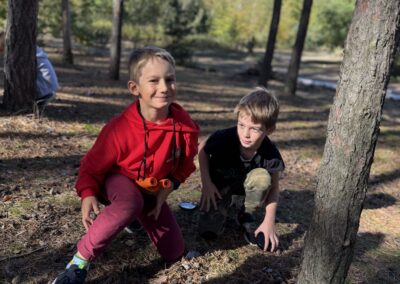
(20, 55)
(352, 134)
(266, 67)
(115, 43)
(294, 65)
(67, 47)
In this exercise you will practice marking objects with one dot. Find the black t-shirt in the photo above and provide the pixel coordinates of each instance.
(227, 167)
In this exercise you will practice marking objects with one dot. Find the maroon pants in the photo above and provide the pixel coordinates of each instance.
(127, 203)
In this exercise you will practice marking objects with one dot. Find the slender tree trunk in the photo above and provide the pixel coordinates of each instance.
(266, 67)
(294, 65)
(352, 134)
(20, 55)
(66, 18)
(115, 44)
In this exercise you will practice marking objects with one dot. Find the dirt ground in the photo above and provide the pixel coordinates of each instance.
(40, 212)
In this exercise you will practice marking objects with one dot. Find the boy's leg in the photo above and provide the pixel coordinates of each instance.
(164, 232)
(211, 224)
(126, 203)
(256, 186)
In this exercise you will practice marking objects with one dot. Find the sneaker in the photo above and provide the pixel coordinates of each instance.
(135, 226)
(71, 275)
(255, 241)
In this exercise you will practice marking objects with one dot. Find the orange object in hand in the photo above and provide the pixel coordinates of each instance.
(151, 184)
(165, 183)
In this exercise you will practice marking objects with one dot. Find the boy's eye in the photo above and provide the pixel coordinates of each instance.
(256, 130)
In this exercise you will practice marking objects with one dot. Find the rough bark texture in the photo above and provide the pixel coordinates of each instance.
(115, 44)
(67, 47)
(294, 65)
(352, 134)
(20, 55)
(266, 68)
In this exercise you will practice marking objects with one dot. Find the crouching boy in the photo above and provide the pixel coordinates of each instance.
(240, 171)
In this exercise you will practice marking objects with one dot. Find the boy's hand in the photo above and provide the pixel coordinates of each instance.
(161, 197)
(269, 235)
(89, 204)
(209, 193)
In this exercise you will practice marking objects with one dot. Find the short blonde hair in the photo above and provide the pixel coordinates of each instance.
(261, 105)
(140, 56)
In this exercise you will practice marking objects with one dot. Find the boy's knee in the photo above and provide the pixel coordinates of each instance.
(257, 180)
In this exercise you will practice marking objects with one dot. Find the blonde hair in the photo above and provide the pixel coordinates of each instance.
(261, 105)
(140, 56)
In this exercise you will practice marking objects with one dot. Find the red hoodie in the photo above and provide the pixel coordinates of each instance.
(119, 148)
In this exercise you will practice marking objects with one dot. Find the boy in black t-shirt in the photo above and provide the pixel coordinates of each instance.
(240, 171)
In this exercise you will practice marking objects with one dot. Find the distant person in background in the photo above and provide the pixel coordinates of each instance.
(46, 81)
(46, 78)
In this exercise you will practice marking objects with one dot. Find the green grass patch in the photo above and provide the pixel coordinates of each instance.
(67, 200)
(20, 208)
(94, 130)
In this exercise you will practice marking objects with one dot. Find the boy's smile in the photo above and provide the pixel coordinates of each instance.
(250, 134)
(156, 88)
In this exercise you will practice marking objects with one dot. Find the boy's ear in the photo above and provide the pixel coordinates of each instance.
(271, 129)
(133, 88)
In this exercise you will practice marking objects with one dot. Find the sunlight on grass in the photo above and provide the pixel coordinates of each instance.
(384, 161)
(68, 200)
(91, 129)
(20, 208)
(224, 263)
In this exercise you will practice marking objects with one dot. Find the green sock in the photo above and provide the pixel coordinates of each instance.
(81, 263)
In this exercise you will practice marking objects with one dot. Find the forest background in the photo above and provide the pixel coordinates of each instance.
(229, 23)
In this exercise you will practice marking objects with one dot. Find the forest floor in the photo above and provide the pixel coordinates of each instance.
(40, 219)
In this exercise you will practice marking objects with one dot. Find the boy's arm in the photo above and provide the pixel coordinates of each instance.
(208, 190)
(267, 227)
(96, 163)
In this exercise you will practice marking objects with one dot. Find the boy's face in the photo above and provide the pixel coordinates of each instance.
(250, 134)
(156, 88)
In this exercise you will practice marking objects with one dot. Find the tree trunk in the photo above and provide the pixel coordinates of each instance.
(266, 68)
(294, 65)
(352, 134)
(66, 18)
(20, 55)
(115, 44)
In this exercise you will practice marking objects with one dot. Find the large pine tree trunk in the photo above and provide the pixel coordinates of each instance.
(115, 43)
(294, 65)
(266, 68)
(66, 18)
(20, 55)
(352, 134)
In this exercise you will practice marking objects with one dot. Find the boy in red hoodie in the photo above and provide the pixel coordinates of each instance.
(153, 137)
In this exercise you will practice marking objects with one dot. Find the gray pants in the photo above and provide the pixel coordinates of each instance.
(256, 185)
